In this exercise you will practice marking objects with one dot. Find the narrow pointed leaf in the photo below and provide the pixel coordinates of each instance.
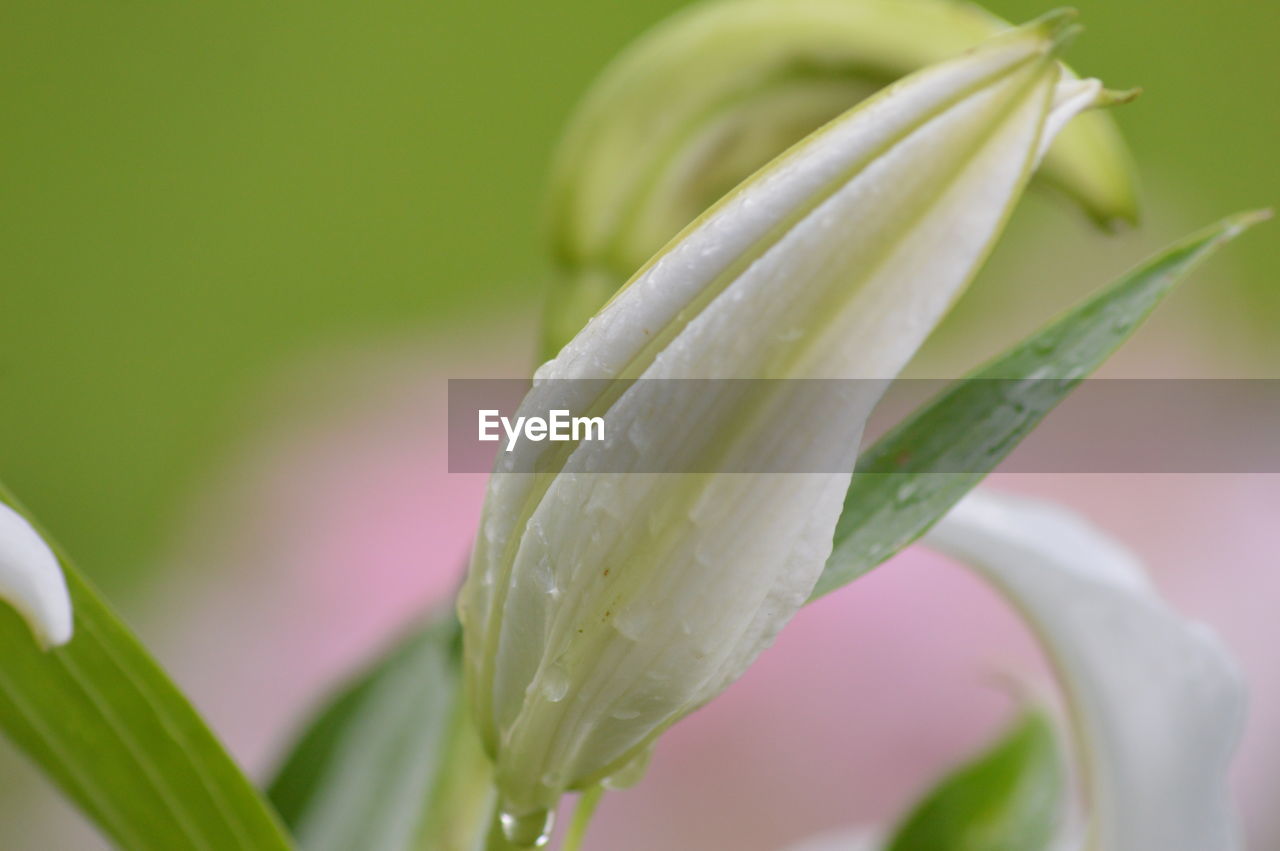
(106, 724)
(1008, 799)
(976, 423)
(388, 764)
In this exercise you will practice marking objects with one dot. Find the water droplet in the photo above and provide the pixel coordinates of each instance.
(555, 683)
(527, 830)
(625, 714)
(604, 500)
(632, 622)
(907, 489)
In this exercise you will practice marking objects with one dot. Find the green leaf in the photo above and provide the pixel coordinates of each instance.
(1006, 800)
(109, 727)
(897, 492)
(391, 763)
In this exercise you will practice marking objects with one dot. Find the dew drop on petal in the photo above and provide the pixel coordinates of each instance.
(555, 683)
(632, 622)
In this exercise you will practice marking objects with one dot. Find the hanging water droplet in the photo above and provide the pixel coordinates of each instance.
(640, 435)
(527, 830)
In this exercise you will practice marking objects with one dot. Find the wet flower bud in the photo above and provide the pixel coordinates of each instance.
(602, 606)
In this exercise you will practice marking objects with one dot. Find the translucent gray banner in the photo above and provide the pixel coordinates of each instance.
(802, 426)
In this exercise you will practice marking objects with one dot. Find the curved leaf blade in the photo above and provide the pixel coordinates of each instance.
(896, 493)
(102, 719)
(1008, 799)
(390, 763)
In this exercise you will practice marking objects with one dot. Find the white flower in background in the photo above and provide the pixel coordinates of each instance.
(31, 580)
(1155, 703)
(601, 607)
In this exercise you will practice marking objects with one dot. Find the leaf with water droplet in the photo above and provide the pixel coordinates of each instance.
(948, 445)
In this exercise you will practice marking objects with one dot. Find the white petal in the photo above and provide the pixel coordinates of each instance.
(31, 579)
(1157, 702)
(1072, 97)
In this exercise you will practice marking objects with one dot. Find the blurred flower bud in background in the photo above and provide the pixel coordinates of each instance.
(715, 92)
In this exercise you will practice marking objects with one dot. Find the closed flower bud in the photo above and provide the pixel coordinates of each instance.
(602, 606)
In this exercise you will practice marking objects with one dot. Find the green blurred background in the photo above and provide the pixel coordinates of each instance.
(196, 193)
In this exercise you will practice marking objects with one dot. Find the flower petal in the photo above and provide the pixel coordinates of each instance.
(31, 580)
(1156, 700)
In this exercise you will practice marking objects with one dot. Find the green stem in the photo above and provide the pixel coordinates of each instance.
(586, 808)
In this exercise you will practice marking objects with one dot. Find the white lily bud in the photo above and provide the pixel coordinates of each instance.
(601, 607)
(31, 580)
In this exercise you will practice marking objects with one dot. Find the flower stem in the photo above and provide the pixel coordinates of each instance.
(586, 808)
